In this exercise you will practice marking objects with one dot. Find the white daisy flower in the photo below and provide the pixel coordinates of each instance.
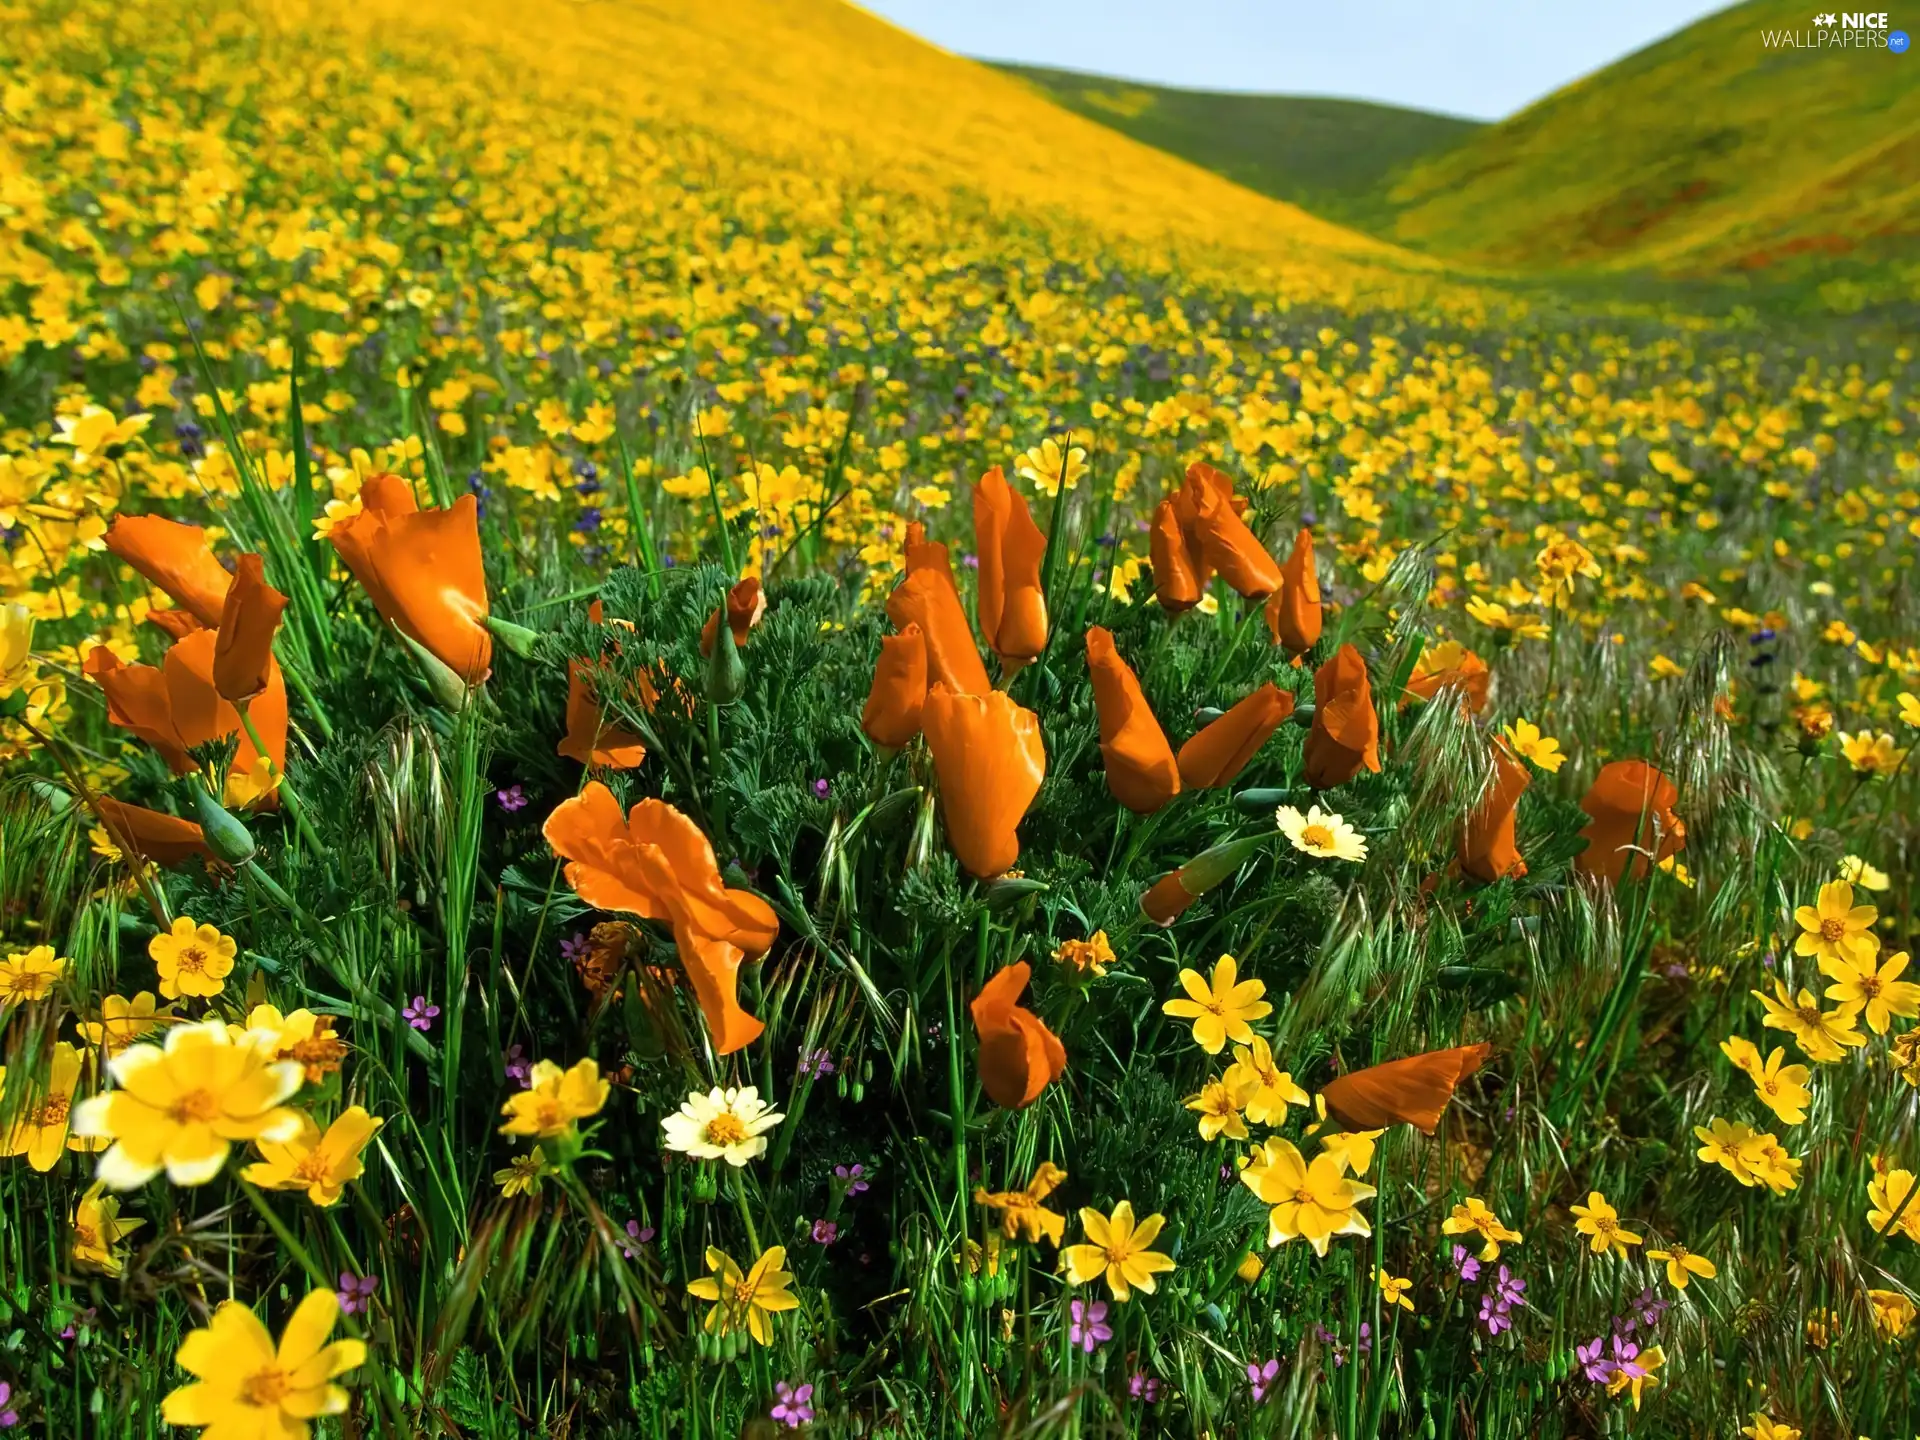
(1321, 834)
(728, 1125)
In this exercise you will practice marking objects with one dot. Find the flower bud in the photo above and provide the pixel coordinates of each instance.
(225, 836)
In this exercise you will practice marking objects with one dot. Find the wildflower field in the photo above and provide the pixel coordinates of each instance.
(713, 728)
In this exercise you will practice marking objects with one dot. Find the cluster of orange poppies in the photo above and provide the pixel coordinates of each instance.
(422, 569)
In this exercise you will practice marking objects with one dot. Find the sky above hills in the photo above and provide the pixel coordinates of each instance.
(1479, 58)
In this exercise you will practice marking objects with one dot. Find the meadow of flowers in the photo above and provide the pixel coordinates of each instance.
(711, 729)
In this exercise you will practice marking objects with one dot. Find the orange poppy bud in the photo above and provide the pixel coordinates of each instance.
(145, 834)
(927, 598)
(899, 694)
(1141, 770)
(655, 862)
(746, 603)
(990, 760)
(1403, 1092)
(177, 623)
(1293, 611)
(1012, 606)
(243, 649)
(175, 707)
(1167, 899)
(175, 558)
(1176, 581)
(1172, 894)
(1221, 750)
(589, 739)
(1019, 1055)
(422, 570)
(1451, 666)
(1629, 815)
(1229, 546)
(1487, 851)
(1346, 733)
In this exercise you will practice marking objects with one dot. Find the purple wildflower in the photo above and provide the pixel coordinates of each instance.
(637, 1236)
(1468, 1267)
(818, 1063)
(513, 798)
(821, 788)
(517, 1069)
(575, 946)
(1649, 1307)
(1089, 1329)
(825, 1232)
(356, 1291)
(1509, 1290)
(1492, 1316)
(419, 1014)
(1262, 1378)
(1625, 1361)
(9, 1417)
(1597, 1370)
(853, 1177)
(794, 1405)
(1144, 1387)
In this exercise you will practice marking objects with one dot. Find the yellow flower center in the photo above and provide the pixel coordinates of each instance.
(1834, 927)
(1303, 1195)
(266, 1388)
(1318, 837)
(1117, 1254)
(53, 1111)
(725, 1129)
(191, 960)
(196, 1107)
(1602, 1225)
(1868, 985)
(314, 1167)
(85, 1237)
(548, 1114)
(1677, 1252)
(743, 1293)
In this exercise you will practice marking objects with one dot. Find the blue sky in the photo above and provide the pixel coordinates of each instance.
(1483, 58)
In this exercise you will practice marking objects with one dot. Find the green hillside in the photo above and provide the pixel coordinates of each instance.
(1705, 153)
(1337, 158)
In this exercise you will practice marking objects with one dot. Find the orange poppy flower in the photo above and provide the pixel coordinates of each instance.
(589, 738)
(173, 557)
(1141, 770)
(927, 598)
(899, 694)
(164, 839)
(989, 757)
(1019, 1055)
(422, 570)
(1224, 539)
(1012, 606)
(174, 707)
(177, 623)
(1221, 750)
(655, 862)
(1403, 1092)
(1293, 611)
(1346, 733)
(1450, 665)
(746, 603)
(250, 618)
(1176, 575)
(1487, 851)
(1629, 813)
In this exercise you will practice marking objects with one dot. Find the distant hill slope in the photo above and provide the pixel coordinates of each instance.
(1337, 158)
(1704, 153)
